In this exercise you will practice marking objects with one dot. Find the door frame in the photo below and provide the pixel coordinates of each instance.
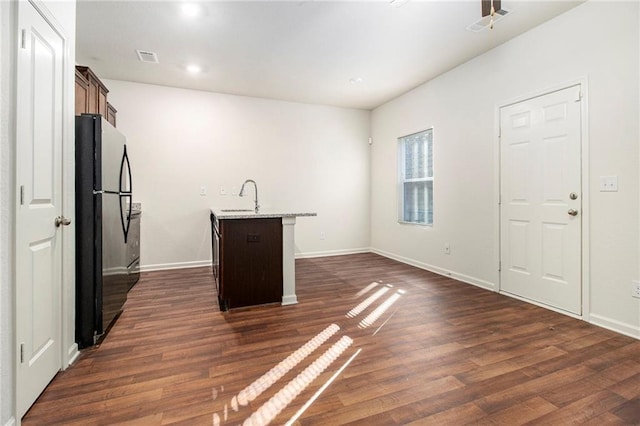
(584, 178)
(68, 347)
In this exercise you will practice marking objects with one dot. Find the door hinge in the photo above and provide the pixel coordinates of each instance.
(21, 353)
(21, 195)
(499, 265)
(23, 41)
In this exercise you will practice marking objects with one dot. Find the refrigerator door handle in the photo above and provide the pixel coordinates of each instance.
(125, 222)
(124, 163)
(127, 194)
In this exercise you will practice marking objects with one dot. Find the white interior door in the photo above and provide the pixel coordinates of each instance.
(540, 192)
(39, 188)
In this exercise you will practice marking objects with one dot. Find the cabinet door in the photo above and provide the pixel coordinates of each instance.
(82, 94)
(97, 92)
(251, 261)
(93, 96)
(111, 114)
(102, 100)
(215, 252)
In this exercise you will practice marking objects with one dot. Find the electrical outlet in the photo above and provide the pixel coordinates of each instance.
(223, 190)
(203, 190)
(322, 235)
(447, 249)
(635, 289)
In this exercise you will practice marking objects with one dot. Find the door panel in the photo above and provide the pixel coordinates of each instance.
(518, 246)
(553, 240)
(42, 258)
(555, 157)
(39, 185)
(540, 249)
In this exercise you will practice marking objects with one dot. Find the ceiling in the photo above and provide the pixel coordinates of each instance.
(356, 54)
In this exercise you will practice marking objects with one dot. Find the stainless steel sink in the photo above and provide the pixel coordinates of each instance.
(236, 210)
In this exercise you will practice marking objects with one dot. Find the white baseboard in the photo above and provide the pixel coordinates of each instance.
(601, 321)
(440, 271)
(10, 422)
(72, 354)
(615, 325)
(207, 263)
(345, 252)
(289, 300)
(604, 322)
(175, 265)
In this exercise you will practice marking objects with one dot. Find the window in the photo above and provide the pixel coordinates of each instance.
(415, 178)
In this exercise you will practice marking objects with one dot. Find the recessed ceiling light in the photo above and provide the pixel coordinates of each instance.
(191, 9)
(193, 69)
(356, 80)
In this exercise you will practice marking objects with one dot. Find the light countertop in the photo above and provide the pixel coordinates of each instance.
(250, 214)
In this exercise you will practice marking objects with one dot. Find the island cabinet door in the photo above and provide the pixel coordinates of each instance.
(215, 252)
(251, 261)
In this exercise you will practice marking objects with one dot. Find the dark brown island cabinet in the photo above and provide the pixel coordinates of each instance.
(247, 261)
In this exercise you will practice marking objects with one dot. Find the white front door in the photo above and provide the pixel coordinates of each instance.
(39, 202)
(541, 199)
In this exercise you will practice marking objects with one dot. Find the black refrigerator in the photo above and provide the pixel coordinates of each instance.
(103, 217)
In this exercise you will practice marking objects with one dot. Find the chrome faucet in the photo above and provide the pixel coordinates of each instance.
(255, 185)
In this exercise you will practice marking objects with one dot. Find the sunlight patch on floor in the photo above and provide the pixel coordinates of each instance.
(270, 409)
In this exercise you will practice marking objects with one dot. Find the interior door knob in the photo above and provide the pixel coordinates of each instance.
(62, 221)
(573, 212)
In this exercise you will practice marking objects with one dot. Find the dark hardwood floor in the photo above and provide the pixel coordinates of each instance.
(443, 352)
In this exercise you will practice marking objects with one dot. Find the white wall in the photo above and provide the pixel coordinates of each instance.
(596, 40)
(304, 158)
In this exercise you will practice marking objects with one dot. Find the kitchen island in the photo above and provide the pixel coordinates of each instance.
(254, 256)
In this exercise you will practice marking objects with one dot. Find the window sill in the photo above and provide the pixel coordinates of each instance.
(402, 222)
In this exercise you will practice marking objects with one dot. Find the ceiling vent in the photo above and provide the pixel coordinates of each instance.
(149, 57)
(485, 21)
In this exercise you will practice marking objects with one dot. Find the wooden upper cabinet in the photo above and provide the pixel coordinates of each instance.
(91, 92)
(102, 100)
(82, 94)
(111, 114)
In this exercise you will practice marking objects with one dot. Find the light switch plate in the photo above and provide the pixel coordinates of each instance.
(608, 183)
